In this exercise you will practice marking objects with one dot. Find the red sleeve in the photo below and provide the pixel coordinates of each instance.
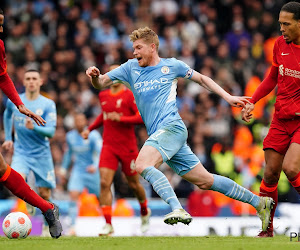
(135, 119)
(9, 89)
(97, 123)
(267, 85)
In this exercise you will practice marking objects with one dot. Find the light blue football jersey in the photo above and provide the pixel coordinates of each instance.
(83, 152)
(29, 142)
(154, 89)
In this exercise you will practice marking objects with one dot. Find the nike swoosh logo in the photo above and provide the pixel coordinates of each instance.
(284, 54)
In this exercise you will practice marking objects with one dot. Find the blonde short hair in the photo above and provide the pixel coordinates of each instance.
(147, 34)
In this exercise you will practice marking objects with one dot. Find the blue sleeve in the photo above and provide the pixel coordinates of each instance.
(96, 147)
(44, 131)
(67, 156)
(8, 121)
(50, 117)
(182, 69)
(122, 73)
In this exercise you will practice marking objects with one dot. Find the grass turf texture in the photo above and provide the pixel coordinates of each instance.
(144, 243)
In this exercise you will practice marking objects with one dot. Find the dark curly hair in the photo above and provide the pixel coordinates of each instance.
(292, 7)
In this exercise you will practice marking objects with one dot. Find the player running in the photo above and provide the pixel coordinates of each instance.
(282, 143)
(119, 145)
(85, 172)
(31, 146)
(153, 81)
(11, 179)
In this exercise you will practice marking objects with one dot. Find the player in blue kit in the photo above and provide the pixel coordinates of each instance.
(31, 142)
(85, 171)
(153, 81)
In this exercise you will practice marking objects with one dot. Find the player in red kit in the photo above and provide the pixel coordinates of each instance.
(282, 144)
(9, 177)
(119, 145)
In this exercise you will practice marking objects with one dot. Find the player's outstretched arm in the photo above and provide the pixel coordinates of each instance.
(208, 83)
(98, 81)
(38, 119)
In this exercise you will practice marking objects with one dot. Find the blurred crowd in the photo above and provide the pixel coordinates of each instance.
(230, 41)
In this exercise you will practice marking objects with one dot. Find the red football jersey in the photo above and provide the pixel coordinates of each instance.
(287, 58)
(3, 65)
(6, 84)
(120, 134)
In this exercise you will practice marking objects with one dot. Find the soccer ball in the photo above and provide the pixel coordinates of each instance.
(16, 225)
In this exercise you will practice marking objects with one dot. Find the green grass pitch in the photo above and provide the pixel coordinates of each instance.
(151, 243)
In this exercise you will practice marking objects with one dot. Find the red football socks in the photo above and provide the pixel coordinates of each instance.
(17, 185)
(107, 213)
(144, 210)
(270, 190)
(296, 182)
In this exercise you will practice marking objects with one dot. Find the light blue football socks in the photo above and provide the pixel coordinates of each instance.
(233, 190)
(73, 212)
(161, 186)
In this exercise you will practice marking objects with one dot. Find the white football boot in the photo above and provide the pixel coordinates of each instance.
(178, 215)
(107, 230)
(264, 209)
(145, 221)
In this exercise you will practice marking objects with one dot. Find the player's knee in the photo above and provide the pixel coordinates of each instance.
(271, 176)
(105, 185)
(289, 171)
(139, 167)
(133, 185)
(204, 185)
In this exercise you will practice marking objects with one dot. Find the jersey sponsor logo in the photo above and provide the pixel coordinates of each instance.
(284, 54)
(289, 72)
(39, 112)
(165, 70)
(150, 85)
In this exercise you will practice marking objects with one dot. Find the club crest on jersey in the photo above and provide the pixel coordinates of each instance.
(39, 112)
(281, 69)
(165, 70)
(118, 104)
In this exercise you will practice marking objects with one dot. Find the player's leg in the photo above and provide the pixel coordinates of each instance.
(268, 186)
(45, 182)
(22, 166)
(199, 176)
(17, 185)
(75, 188)
(147, 161)
(45, 193)
(291, 165)
(139, 192)
(275, 145)
(160, 147)
(73, 211)
(105, 199)
(128, 168)
(108, 166)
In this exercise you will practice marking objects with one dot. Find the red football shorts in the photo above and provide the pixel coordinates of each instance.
(110, 158)
(282, 133)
